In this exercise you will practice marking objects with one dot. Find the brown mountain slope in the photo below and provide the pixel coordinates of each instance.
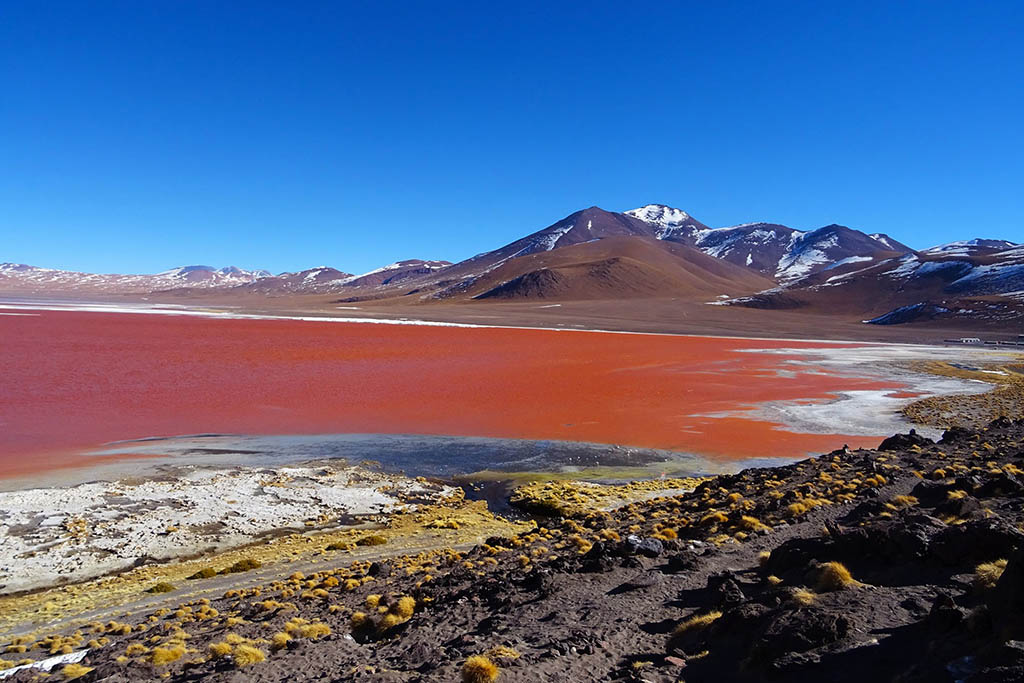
(613, 267)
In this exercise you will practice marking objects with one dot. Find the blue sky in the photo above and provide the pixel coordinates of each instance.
(135, 136)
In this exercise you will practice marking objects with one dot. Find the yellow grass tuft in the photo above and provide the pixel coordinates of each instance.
(987, 575)
(715, 517)
(72, 671)
(905, 501)
(834, 576)
(247, 655)
(315, 631)
(279, 641)
(204, 573)
(372, 539)
(696, 623)
(752, 523)
(219, 650)
(162, 587)
(165, 655)
(479, 669)
(404, 607)
(803, 597)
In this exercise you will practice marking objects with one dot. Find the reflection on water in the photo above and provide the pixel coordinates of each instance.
(418, 455)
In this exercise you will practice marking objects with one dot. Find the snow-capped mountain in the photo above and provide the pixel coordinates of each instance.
(975, 245)
(778, 251)
(669, 222)
(317, 280)
(975, 279)
(25, 278)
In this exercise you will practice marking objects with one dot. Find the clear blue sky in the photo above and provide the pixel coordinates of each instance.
(136, 136)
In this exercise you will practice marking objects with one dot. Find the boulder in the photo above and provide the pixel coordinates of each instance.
(903, 442)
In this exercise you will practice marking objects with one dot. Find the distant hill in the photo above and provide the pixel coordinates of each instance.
(32, 279)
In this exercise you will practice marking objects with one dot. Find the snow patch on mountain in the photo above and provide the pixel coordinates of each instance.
(847, 260)
(803, 254)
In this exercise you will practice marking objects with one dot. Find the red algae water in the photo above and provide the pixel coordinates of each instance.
(74, 380)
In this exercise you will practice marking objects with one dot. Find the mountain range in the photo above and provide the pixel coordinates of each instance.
(652, 252)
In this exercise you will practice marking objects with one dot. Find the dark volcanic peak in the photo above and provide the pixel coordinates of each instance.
(579, 227)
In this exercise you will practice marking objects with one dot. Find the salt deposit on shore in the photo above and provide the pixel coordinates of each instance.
(56, 535)
(870, 411)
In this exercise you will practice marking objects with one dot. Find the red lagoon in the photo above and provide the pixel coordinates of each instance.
(75, 380)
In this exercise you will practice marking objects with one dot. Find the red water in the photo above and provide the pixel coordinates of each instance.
(74, 380)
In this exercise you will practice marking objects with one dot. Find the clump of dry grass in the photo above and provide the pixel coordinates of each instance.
(315, 631)
(204, 573)
(247, 655)
(802, 597)
(753, 524)
(244, 565)
(162, 587)
(697, 622)
(372, 539)
(72, 671)
(165, 655)
(219, 650)
(279, 641)
(404, 606)
(987, 574)
(834, 576)
(479, 669)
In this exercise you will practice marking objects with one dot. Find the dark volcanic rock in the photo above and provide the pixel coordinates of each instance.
(799, 631)
(975, 542)
(648, 547)
(901, 442)
(1006, 600)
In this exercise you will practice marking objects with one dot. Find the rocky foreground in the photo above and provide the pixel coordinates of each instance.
(903, 563)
